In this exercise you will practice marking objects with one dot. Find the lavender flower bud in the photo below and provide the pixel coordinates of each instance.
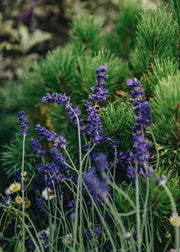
(23, 123)
(36, 146)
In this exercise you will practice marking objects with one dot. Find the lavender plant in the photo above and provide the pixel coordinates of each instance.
(77, 198)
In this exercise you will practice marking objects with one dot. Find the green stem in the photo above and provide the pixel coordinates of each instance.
(145, 206)
(152, 229)
(67, 153)
(22, 190)
(87, 154)
(173, 205)
(102, 219)
(118, 221)
(79, 191)
(50, 224)
(137, 211)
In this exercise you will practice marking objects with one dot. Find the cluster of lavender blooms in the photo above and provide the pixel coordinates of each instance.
(23, 123)
(59, 160)
(143, 120)
(54, 171)
(41, 206)
(97, 231)
(54, 177)
(94, 126)
(36, 146)
(54, 138)
(98, 187)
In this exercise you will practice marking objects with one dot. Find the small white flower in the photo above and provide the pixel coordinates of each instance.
(68, 239)
(175, 220)
(7, 191)
(14, 187)
(48, 229)
(47, 193)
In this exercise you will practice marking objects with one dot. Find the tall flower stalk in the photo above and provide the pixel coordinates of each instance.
(75, 116)
(98, 96)
(24, 130)
(140, 158)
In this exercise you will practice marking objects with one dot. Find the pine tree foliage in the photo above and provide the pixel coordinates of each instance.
(118, 120)
(121, 39)
(175, 4)
(87, 32)
(50, 74)
(10, 103)
(161, 68)
(85, 77)
(62, 72)
(166, 118)
(156, 38)
(12, 157)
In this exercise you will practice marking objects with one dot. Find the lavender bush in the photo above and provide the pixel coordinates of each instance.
(76, 199)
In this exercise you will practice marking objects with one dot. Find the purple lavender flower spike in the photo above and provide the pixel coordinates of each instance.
(36, 146)
(71, 110)
(99, 188)
(55, 139)
(99, 92)
(94, 127)
(143, 120)
(52, 172)
(102, 163)
(41, 205)
(23, 123)
(59, 160)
